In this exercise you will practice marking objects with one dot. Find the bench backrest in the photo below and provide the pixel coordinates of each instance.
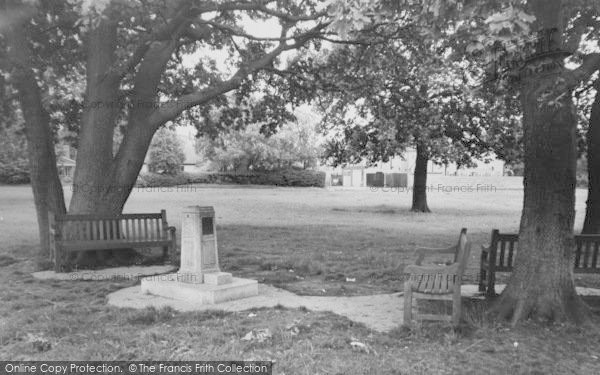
(585, 255)
(125, 227)
(505, 246)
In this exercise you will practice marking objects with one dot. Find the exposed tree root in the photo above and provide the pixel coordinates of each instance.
(541, 308)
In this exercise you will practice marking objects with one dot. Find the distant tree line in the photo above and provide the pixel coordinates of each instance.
(295, 145)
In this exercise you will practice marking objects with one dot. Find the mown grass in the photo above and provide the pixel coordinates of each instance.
(325, 238)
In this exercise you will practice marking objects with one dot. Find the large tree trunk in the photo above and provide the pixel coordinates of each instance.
(419, 201)
(541, 285)
(102, 183)
(591, 224)
(45, 183)
(94, 188)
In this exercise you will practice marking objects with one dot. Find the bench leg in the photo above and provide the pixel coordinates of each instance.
(456, 310)
(482, 279)
(491, 284)
(173, 246)
(59, 259)
(407, 303)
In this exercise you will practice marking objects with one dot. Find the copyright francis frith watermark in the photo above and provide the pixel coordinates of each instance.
(439, 188)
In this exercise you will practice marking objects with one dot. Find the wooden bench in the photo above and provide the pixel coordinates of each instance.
(499, 256)
(437, 282)
(69, 233)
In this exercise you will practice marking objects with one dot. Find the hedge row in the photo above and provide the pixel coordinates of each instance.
(14, 173)
(291, 177)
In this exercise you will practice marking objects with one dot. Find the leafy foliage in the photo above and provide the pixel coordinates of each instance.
(295, 144)
(165, 154)
(14, 164)
(383, 97)
(284, 177)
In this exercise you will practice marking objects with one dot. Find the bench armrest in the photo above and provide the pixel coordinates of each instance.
(422, 252)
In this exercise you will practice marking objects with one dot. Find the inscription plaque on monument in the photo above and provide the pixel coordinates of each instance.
(199, 252)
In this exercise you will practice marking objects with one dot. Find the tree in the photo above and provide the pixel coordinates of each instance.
(542, 284)
(130, 55)
(238, 150)
(165, 154)
(386, 95)
(47, 189)
(295, 142)
(298, 141)
(586, 26)
(591, 223)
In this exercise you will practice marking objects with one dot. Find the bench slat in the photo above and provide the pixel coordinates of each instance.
(586, 270)
(595, 257)
(76, 217)
(126, 225)
(586, 256)
(158, 230)
(579, 244)
(133, 230)
(98, 230)
(107, 245)
(511, 251)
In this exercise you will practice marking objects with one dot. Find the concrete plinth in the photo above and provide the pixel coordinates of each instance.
(171, 286)
(217, 278)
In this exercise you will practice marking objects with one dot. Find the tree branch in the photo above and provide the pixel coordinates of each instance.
(259, 6)
(171, 109)
(232, 31)
(180, 16)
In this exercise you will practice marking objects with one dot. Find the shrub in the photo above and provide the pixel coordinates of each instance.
(14, 172)
(158, 180)
(165, 153)
(291, 177)
(14, 165)
(288, 177)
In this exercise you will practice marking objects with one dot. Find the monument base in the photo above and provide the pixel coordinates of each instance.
(217, 278)
(171, 286)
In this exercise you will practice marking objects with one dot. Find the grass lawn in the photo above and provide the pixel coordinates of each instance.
(324, 237)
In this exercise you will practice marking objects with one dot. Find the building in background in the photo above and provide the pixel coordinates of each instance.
(398, 171)
(65, 161)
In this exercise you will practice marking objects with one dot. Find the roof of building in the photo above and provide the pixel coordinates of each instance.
(64, 161)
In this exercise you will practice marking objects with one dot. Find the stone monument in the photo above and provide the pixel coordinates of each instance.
(199, 278)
